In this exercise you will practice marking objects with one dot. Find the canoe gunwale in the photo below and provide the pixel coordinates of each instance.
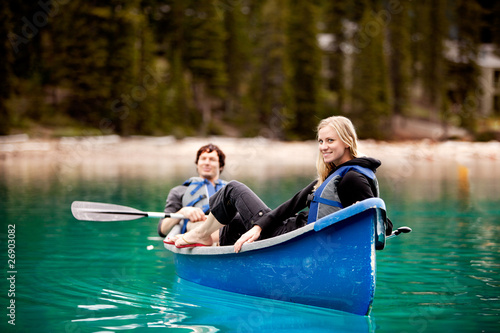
(339, 216)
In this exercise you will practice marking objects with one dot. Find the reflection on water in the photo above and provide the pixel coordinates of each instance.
(249, 314)
(182, 305)
(107, 277)
(433, 180)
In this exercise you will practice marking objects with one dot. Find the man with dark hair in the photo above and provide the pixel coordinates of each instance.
(191, 198)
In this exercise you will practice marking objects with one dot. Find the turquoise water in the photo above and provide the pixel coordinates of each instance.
(73, 276)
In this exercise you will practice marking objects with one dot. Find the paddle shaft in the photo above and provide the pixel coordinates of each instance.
(156, 215)
(164, 215)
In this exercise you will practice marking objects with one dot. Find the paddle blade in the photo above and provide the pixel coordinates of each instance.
(102, 212)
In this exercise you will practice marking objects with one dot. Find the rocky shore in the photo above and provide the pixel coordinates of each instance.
(245, 157)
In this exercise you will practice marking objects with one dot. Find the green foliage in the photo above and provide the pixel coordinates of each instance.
(370, 92)
(397, 19)
(464, 73)
(245, 67)
(304, 57)
(237, 56)
(433, 27)
(269, 82)
(6, 60)
(334, 13)
(205, 51)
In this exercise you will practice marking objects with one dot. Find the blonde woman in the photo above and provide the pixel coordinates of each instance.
(344, 178)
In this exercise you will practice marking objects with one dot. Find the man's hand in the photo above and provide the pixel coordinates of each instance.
(248, 237)
(194, 214)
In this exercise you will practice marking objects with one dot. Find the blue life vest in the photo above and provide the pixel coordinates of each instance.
(197, 194)
(326, 198)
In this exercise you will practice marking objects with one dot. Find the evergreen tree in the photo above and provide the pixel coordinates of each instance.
(419, 21)
(399, 59)
(25, 42)
(335, 13)
(495, 25)
(175, 108)
(80, 37)
(370, 92)
(267, 114)
(237, 46)
(5, 66)
(121, 67)
(104, 63)
(305, 66)
(146, 78)
(205, 58)
(464, 71)
(434, 26)
(256, 60)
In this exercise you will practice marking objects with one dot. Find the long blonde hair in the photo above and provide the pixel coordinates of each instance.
(346, 132)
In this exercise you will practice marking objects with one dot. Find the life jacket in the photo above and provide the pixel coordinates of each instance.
(326, 198)
(197, 194)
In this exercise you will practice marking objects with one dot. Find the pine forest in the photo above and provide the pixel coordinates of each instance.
(247, 68)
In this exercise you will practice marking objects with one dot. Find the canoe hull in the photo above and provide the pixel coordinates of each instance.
(333, 267)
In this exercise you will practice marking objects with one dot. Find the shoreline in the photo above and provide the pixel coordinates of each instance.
(251, 157)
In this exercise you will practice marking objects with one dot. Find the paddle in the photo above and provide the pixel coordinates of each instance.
(399, 231)
(102, 212)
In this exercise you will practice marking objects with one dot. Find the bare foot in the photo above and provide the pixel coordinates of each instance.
(192, 239)
(171, 239)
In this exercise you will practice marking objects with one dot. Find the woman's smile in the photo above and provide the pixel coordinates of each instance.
(331, 147)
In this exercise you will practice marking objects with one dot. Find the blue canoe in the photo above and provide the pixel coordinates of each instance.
(328, 264)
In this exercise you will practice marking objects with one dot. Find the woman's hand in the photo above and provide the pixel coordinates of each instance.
(248, 237)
